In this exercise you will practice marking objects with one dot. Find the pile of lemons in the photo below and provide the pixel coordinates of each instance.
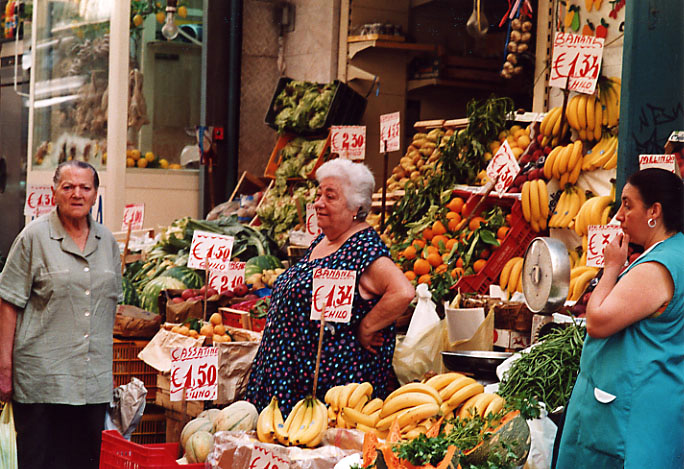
(134, 158)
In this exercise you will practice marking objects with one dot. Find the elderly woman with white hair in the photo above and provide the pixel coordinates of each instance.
(358, 351)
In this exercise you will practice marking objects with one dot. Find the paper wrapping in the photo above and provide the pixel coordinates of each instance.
(157, 352)
(132, 321)
(239, 449)
(482, 339)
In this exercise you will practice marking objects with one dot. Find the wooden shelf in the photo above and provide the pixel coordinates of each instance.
(413, 85)
(356, 47)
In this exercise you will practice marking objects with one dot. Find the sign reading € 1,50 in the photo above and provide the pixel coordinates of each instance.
(194, 371)
(333, 294)
(210, 251)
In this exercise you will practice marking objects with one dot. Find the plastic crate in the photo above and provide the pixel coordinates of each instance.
(126, 365)
(276, 158)
(151, 428)
(515, 243)
(346, 107)
(117, 452)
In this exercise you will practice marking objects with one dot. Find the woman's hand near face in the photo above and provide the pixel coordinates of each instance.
(616, 252)
(384, 279)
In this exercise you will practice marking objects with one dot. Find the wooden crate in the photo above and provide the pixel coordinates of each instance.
(163, 398)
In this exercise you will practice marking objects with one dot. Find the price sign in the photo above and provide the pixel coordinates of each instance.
(503, 168)
(599, 237)
(576, 62)
(234, 276)
(211, 247)
(333, 294)
(667, 162)
(39, 200)
(134, 214)
(195, 370)
(264, 458)
(389, 132)
(349, 141)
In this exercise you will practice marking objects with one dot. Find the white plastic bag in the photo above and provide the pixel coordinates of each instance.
(8, 439)
(543, 435)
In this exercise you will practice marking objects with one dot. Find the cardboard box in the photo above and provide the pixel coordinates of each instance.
(512, 340)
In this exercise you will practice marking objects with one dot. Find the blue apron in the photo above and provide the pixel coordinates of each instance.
(627, 406)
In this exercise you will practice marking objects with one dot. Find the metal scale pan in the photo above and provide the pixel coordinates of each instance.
(545, 275)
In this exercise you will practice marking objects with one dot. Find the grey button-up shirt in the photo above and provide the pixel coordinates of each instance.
(67, 305)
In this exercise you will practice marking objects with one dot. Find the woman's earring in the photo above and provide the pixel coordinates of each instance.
(651, 222)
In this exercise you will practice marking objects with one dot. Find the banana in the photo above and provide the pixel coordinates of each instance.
(525, 199)
(581, 220)
(559, 210)
(590, 114)
(513, 279)
(410, 387)
(483, 402)
(571, 112)
(612, 162)
(300, 421)
(598, 120)
(356, 417)
(265, 428)
(549, 121)
(558, 162)
(574, 174)
(345, 393)
(417, 414)
(576, 155)
(573, 208)
(495, 405)
(596, 151)
(607, 154)
(332, 415)
(442, 380)
(605, 216)
(284, 429)
(535, 204)
(577, 271)
(365, 389)
(582, 112)
(543, 199)
(550, 160)
(604, 105)
(613, 101)
(312, 435)
(279, 431)
(519, 286)
(581, 282)
(403, 401)
(598, 208)
(464, 394)
(362, 402)
(465, 411)
(331, 395)
(556, 131)
(341, 421)
(372, 406)
(506, 272)
(454, 386)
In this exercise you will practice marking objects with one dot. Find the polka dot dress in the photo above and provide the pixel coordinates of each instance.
(285, 363)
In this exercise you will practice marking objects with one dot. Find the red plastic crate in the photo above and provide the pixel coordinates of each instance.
(515, 244)
(126, 364)
(117, 452)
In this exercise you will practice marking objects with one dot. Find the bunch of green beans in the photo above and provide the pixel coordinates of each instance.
(549, 370)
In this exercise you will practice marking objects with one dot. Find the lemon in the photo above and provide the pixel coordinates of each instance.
(163, 163)
(104, 158)
(142, 163)
(149, 156)
(135, 154)
(160, 17)
(130, 162)
(174, 166)
(182, 11)
(128, 153)
(137, 20)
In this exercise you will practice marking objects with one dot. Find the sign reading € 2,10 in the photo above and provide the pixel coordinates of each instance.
(210, 251)
(348, 141)
(194, 370)
(333, 294)
(230, 279)
(133, 215)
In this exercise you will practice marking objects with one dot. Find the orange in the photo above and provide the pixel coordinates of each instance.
(451, 214)
(427, 234)
(425, 279)
(457, 272)
(438, 228)
(455, 224)
(421, 267)
(441, 269)
(509, 219)
(479, 264)
(418, 244)
(500, 240)
(434, 259)
(437, 238)
(410, 275)
(409, 253)
(450, 244)
(485, 254)
(459, 262)
(475, 223)
(502, 232)
(456, 204)
(431, 250)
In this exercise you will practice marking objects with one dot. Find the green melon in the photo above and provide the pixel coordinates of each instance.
(130, 295)
(195, 425)
(199, 446)
(240, 415)
(258, 264)
(189, 277)
(150, 294)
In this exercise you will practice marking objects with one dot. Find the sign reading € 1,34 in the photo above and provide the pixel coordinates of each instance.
(210, 251)
(503, 168)
(333, 294)
(133, 215)
(667, 162)
(348, 141)
(229, 280)
(194, 370)
(576, 62)
(598, 237)
(389, 132)
(39, 200)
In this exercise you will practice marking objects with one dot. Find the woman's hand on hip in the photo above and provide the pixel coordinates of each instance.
(369, 340)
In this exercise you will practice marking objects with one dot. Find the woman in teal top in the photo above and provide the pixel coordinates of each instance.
(627, 407)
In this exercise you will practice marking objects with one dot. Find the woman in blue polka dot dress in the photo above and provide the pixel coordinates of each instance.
(358, 351)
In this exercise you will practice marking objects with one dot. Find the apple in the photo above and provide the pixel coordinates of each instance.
(241, 290)
(188, 293)
(177, 299)
(547, 150)
(211, 292)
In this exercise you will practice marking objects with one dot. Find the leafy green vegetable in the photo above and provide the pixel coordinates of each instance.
(303, 106)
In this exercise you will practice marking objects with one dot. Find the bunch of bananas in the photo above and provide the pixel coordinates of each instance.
(585, 114)
(511, 275)
(565, 163)
(354, 396)
(609, 93)
(569, 204)
(535, 203)
(413, 406)
(580, 277)
(457, 390)
(575, 258)
(305, 425)
(550, 127)
(603, 155)
(595, 211)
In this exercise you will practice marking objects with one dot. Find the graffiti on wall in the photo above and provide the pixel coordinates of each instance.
(656, 123)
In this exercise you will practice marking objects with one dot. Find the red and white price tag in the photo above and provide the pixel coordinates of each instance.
(210, 250)
(194, 370)
(503, 168)
(576, 62)
(348, 141)
(264, 458)
(389, 132)
(333, 294)
(39, 200)
(234, 276)
(311, 228)
(667, 162)
(133, 215)
(599, 237)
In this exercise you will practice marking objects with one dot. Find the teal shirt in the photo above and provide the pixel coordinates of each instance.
(643, 367)
(67, 305)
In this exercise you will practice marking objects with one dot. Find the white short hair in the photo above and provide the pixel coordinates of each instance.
(357, 181)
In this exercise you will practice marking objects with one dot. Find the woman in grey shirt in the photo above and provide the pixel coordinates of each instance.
(58, 295)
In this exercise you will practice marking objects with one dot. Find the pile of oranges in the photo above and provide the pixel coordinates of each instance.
(431, 252)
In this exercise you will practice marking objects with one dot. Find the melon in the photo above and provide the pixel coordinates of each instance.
(189, 277)
(512, 434)
(240, 415)
(211, 414)
(193, 426)
(199, 446)
(150, 294)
